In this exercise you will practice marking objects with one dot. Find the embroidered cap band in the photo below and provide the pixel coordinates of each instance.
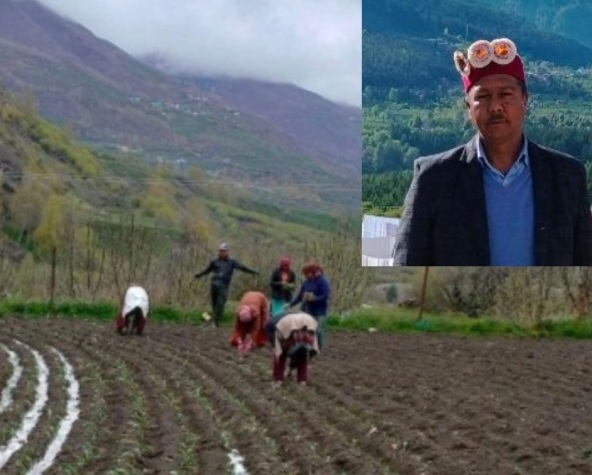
(485, 58)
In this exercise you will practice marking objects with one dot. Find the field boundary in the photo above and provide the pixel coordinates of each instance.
(390, 320)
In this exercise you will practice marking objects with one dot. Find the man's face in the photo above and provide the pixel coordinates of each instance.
(497, 107)
(223, 254)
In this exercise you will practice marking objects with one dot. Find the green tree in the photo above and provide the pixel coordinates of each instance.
(47, 235)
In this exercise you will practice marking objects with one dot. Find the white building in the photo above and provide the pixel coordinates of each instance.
(378, 240)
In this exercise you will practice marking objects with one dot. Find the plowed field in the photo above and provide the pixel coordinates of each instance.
(178, 400)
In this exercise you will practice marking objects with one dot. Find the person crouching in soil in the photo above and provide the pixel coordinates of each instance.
(133, 312)
(295, 342)
(251, 316)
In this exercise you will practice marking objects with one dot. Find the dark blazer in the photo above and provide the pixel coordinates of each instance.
(444, 221)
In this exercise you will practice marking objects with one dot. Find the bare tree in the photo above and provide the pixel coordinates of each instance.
(7, 269)
(577, 283)
(526, 295)
(339, 256)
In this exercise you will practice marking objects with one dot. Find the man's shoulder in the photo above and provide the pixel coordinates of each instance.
(440, 161)
(566, 161)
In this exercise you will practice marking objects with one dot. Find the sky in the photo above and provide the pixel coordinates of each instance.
(315, 44)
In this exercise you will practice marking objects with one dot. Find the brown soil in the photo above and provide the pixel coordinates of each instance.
(401, 404)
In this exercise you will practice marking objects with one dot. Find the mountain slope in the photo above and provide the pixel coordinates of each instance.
(325, 130)
(72, 226)
(39, 161)
(112, 101)
(569, 18)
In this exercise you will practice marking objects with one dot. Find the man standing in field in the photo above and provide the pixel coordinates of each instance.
(501, 199)
(223, 268)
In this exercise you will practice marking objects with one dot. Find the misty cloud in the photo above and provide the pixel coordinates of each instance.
(316, 44)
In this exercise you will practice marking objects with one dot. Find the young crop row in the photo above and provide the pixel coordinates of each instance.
(38, 407)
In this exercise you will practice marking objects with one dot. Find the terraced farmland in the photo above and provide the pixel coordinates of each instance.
(178, 400)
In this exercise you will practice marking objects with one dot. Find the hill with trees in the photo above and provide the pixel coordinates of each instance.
(77, 223)
(569, 18)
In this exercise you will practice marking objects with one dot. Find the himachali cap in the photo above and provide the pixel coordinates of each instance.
(485, 58)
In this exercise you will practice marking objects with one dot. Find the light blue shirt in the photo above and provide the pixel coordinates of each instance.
(505, 179)
(510, 210)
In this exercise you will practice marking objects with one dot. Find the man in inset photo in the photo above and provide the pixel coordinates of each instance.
(501, 199)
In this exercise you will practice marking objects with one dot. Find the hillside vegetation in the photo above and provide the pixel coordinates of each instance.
(569, 18)
(80, 224)
(508, 295)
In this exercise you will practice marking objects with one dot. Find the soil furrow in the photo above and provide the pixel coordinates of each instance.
(246, 430)
(47, 425)
(417, 404)
(116, 435)
(332, 446)
(23, 396)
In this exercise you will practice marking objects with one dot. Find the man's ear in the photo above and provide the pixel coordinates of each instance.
(526, 102)
(467, 109)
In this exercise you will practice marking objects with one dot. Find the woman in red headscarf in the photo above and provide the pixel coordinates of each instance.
(314, 296)
(282, 283)
(252, 314)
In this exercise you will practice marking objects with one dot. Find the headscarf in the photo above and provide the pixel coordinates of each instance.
(311, 268)
(285, 263)
(245, 314)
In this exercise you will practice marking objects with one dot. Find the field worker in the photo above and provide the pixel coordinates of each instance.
(282, 283)
(295, 341)
(501, 199)
(133, 312)
(223, 268)
(314, 297)
(251, 316)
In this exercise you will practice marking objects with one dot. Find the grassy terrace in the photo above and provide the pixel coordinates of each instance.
(379, 319)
